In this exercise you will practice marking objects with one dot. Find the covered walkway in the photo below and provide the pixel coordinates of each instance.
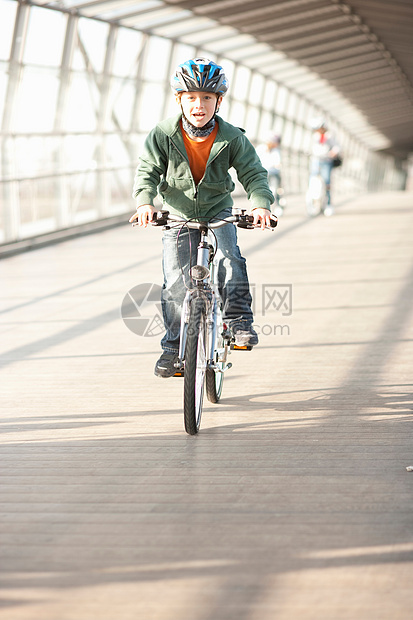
(292, 503)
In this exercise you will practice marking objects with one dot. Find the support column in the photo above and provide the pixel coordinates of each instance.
(103, 189)
(64, 215)
(11, 188)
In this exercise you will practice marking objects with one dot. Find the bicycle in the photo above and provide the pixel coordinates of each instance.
(205, 340)
(316, 196)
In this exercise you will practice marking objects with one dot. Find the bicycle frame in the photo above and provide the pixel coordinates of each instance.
(203, 276)
(208, 289)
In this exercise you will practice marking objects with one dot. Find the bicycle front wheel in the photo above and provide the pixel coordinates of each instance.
(195, 366)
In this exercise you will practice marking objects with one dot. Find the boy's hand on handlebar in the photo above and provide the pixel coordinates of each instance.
(143, 216)
(262, 218)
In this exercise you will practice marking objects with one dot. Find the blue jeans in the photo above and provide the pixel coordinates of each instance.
(231, 274)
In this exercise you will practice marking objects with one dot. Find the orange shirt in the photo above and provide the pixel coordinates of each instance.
(198, 152)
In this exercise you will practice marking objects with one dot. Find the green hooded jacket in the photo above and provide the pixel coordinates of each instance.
(164, 169)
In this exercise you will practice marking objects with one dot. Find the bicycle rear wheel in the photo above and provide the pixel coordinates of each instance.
(214, 379)
(316, 196)
(195, 366)
(213, 382)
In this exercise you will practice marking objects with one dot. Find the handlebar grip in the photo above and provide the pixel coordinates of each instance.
(160, 218)
(273, 222)
(247, 221)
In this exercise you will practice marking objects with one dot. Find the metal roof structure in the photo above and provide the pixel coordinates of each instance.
(353, 58)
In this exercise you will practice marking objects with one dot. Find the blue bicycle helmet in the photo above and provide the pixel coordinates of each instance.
(199, 74)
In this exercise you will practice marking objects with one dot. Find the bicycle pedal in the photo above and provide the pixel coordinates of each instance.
(179, 373)
(235, 347)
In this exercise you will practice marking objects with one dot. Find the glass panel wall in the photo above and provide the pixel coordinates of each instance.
(40, 49)
(7, 20)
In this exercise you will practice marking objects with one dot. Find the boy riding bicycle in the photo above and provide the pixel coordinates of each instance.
(186, 160)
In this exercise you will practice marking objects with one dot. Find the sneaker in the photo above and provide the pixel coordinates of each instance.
(244, 336)
(165, 366)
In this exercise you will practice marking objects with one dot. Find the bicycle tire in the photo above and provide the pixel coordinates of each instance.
(213, 384)
(195, 366)
(313, 206)
(315, 198)
(214, 379)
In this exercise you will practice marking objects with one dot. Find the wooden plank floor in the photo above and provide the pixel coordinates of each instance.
(293, 502)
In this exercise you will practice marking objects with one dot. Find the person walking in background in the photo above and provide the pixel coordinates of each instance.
(269, 153)
(324, 157)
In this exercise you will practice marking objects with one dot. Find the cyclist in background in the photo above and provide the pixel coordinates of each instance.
(269, 153)
(186, 159)
(324, 151)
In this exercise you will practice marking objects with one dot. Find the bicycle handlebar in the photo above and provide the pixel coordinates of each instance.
(162, 218)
